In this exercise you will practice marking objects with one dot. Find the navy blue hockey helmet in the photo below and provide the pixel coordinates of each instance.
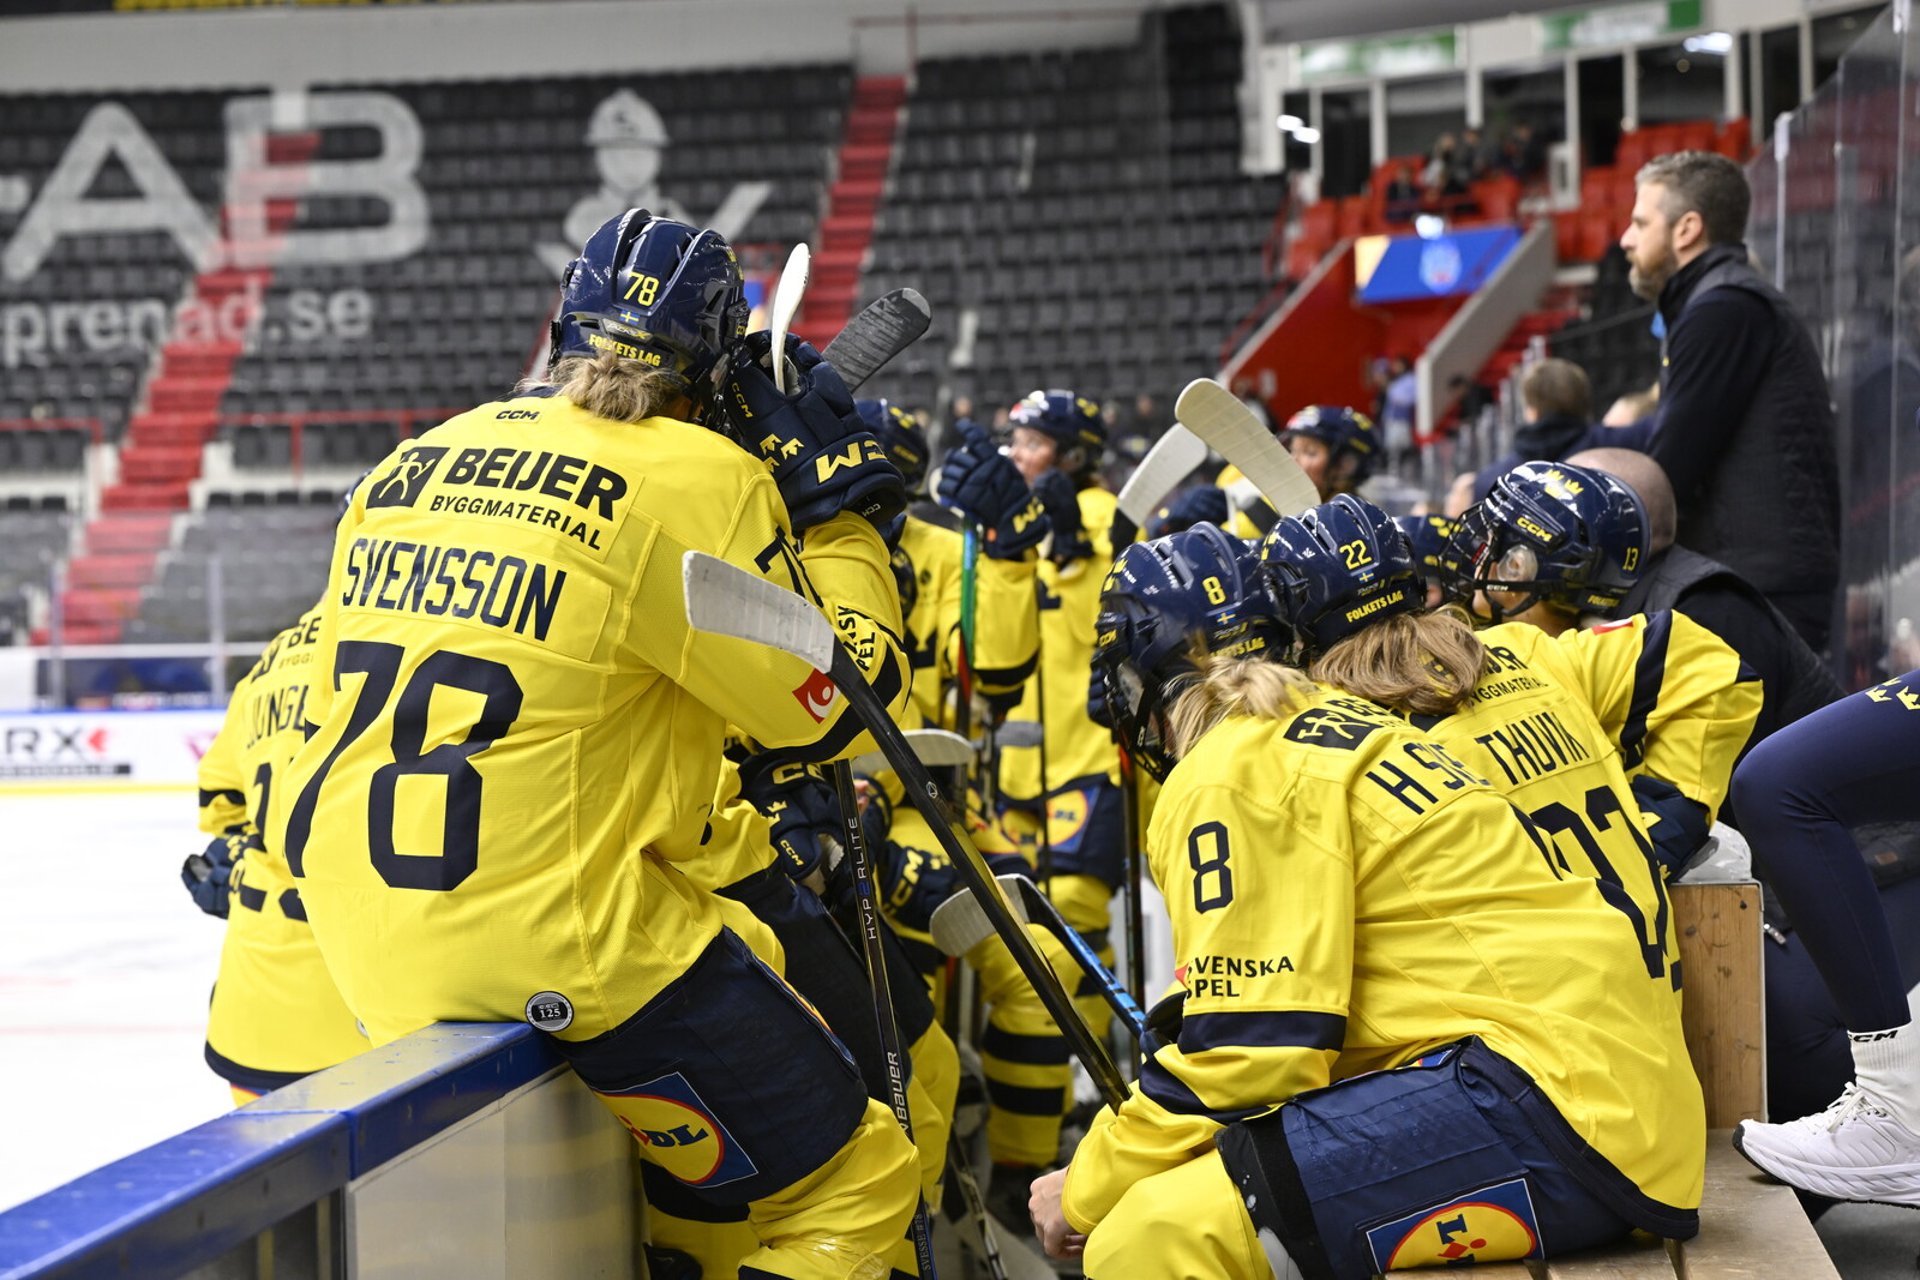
(1572, 537)
(901, 436)
(1199, 591)
(1429, 537)
(1338, 568)
(1347, 433)
(1071, 421)
(654, 290)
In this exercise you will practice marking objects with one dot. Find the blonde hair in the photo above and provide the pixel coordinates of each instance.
(612, 387)
(1414, 663)
(1224, 686)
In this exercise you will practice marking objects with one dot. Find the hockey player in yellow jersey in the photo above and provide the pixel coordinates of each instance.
(275, 1015)
(1379, 1064)
(1553, 543)
(519, 734)
(1557, 726)
(1061, 801)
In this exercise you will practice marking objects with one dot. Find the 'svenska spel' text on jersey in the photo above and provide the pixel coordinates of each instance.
(505, 591)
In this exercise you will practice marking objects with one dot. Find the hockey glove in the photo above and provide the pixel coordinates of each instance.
(1061, 501)
(1676, 825)
(208, 874)
(803, 811)
(822, 455)
(1203, 503)
(986, 488)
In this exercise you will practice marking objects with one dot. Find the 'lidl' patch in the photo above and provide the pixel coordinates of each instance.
(680, 1133)
(1495, 1224)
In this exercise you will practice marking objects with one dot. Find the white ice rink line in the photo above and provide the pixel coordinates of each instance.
(105, 967)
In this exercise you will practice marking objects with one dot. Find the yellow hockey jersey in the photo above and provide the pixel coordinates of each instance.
(521, 728)
(1006, 626)
(275, 1011)
(1559, 725)
(1346, 895)
(1077, 748)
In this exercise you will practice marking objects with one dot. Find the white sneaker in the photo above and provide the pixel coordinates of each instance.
(1853, 1150)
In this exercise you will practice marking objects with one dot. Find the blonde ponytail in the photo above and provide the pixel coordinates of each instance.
(1416, 663)
(612, 387)
(1230, 686)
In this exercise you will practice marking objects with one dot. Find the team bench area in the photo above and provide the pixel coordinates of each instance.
(1751, 1227)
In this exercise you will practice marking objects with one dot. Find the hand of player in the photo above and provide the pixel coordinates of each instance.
(822, 456)
(1202, 502)
(208, 874)
(1676, 825)
(1062, 504)
(1057, 1238)
(986, 488)
(803, 812)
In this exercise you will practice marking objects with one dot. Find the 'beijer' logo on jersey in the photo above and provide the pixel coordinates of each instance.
(1329, 727)
(400, 486)
(680, 1132)
(816, 695)
(1496, 1224)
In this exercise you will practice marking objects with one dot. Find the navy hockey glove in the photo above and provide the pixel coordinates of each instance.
(1061, 501)
(208, 874)
(823, 457)
(1203, 503)
(986, 488)
(803, 811)
(1676, 825)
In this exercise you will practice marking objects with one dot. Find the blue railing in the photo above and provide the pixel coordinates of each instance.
(186, 1202)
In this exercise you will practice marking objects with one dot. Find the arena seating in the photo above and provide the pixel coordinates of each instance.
(503, 164)
(1087, 206)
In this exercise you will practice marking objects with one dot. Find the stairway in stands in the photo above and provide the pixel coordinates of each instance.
(847, 228)
(161, 453)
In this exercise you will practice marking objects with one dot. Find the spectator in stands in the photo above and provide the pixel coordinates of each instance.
(1470, 160)
(1438, 178)
(1521, 154)
(1556, 409)
(1403, 195)
(1745, 426)
(1402, 405)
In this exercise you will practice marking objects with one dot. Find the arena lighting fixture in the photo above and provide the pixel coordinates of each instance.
(1306, 137)
(1290, 123)
(1717, 43)
(1429, 226)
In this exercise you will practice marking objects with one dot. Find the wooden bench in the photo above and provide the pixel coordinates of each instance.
(1751, 1227)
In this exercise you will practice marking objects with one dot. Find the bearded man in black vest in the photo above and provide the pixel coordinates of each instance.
(1745, 426)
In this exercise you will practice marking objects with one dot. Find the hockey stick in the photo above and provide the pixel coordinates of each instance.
(727, 600)
(1214, 414)
(977, 1218)
(934, 748)
(786, 302)
(867, 898)
(959, 925)
(1173, 457)
(884, 328)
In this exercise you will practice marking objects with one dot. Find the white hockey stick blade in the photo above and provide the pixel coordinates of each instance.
(884, 328)
(934, 748)
(729, 601)
(1172, 459)
(960, 923)
(786, 304)
(1216, 415)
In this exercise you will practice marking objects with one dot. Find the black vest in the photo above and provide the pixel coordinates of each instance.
(1803, 688)
(1771, 508)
